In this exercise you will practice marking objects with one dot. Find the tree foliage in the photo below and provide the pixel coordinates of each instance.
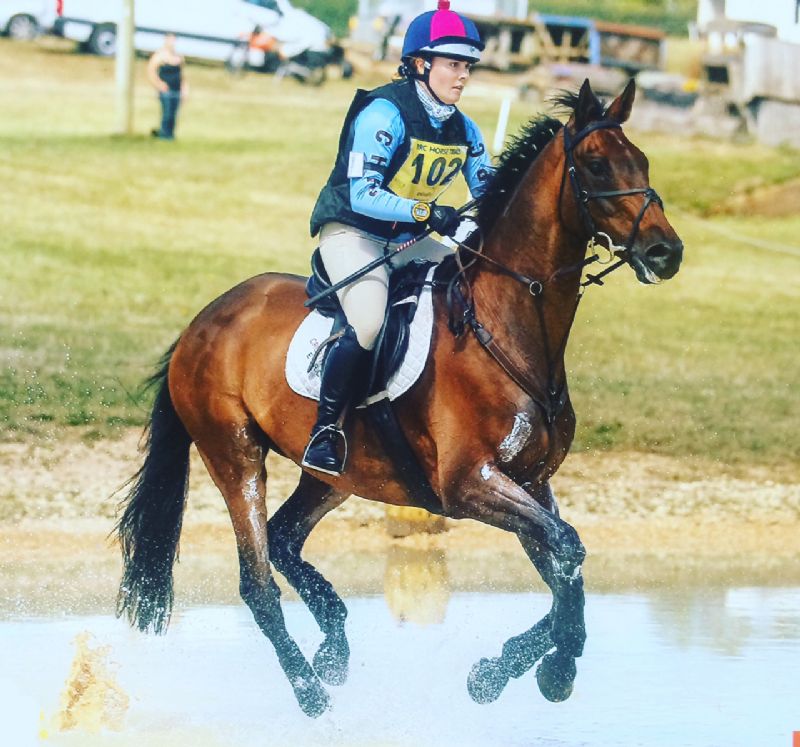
(336, 13)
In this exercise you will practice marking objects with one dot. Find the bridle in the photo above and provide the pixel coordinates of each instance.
(583, 196)
(555, 396)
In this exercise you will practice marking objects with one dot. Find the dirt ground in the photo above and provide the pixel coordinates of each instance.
(643, 518)
(775, 201)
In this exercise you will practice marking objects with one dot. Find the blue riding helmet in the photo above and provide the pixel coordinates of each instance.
(443, 33)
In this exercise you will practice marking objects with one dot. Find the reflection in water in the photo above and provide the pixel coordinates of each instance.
(91, 699)
(722, 620)
(699, 617)
(416, 584)
(213, 679)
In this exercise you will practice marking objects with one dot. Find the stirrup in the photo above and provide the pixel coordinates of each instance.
(336, 431)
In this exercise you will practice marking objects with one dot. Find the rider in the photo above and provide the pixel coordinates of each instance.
(401, 146)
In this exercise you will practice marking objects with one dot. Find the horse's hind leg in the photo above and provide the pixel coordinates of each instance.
(288, 530)
(235, 460)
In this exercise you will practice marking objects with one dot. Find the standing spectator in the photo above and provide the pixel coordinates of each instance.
(165, 73)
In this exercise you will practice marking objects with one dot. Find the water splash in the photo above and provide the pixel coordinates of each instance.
(91, 700)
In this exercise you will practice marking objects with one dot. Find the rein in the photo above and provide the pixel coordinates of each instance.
(555, 396)
(553, 402)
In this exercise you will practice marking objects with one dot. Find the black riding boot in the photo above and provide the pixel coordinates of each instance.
(339, 375)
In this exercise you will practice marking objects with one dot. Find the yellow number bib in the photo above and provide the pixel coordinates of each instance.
(428, 170)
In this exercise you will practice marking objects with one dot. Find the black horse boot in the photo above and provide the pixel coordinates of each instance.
(339, 375)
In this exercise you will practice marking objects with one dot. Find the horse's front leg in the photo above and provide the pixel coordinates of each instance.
(556, 673)
(557, 553)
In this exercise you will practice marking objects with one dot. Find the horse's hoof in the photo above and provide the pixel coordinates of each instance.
(331, 661)
(311, 697)
(486, 681)
(555, 676)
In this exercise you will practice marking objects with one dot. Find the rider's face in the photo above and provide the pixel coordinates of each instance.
(448, 78)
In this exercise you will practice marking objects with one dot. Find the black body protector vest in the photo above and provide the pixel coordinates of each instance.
(422, 167)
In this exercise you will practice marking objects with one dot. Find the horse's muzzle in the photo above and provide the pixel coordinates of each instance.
(660, 261)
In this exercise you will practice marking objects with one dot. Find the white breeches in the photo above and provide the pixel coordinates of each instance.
(344, 250)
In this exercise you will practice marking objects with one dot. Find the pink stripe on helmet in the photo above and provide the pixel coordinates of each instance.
(446, 23)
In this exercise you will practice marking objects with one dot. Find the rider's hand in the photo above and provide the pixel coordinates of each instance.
(441, 218)
(444, 220)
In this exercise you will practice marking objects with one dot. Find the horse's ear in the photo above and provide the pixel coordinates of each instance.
(620, 108)
(585, 108)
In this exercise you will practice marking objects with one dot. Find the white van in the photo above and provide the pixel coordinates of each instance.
(205, 29)
(26, 19)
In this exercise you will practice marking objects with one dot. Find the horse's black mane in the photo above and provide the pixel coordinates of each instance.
(566, 101)
(521, 152)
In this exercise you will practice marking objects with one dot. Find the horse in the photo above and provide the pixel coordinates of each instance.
(490, 419)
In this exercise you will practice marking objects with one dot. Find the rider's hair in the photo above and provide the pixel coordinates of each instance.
(408, 68)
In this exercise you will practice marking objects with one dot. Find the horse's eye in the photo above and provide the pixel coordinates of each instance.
(597, 166)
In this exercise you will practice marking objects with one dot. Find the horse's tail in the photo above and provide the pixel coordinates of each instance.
(150, 525)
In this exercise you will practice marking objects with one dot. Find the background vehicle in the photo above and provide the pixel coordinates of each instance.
(206, 29)
(308, 62)
(26, 19)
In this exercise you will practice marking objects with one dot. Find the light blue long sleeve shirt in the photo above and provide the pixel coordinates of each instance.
(378, 132)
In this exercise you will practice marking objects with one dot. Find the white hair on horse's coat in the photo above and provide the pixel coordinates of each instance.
(515, 441)
(251, 489)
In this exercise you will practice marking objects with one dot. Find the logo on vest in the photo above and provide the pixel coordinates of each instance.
(476, 151)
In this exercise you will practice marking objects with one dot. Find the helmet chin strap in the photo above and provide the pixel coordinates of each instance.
(410, 71)
(426, 79)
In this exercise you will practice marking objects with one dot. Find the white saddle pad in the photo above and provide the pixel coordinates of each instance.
(315, 328)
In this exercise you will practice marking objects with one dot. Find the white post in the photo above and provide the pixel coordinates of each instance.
(502, 125)
(124, 69)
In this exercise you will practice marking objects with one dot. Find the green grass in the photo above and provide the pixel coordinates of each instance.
(111, 245)
(671, 15)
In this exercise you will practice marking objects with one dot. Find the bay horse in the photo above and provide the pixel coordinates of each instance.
(490, 419)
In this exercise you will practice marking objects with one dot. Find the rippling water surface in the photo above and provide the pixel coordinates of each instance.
(670, 667)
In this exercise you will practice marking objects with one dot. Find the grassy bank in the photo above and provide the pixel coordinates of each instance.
(672, 16)
(111, 245)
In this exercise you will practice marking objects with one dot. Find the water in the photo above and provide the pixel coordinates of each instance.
(669, 667)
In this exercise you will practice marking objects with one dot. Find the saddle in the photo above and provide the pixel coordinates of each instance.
(405, 287)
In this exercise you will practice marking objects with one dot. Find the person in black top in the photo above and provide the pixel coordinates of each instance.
(165, 73)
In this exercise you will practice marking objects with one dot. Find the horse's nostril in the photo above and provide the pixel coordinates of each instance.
(658, 251)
